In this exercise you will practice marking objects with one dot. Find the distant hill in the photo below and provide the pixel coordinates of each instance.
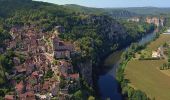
(148, 10)
(121, 12)
(115, 13)
(78, 8)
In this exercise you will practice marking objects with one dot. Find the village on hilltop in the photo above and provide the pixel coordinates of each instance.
(46, 71)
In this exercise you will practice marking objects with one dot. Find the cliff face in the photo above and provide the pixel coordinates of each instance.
(86, 71)
(155, 20)
(109, 29)
(151, 20)
(110, 32)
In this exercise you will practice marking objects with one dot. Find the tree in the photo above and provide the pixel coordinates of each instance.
(78, 95)
(139, 95)
(164, 66)
(49, 74)
(91, 98)
(62, 82)
(165, 44)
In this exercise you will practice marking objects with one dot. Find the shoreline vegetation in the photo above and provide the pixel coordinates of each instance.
(129, 90)
(108, 63)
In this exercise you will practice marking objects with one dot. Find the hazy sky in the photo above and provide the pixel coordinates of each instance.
(114, 3)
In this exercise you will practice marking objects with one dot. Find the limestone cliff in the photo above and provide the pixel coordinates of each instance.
(86, 71)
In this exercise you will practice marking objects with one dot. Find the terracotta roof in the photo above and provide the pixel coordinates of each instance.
(30, 94)
(19, 87)
(35, 73)
(74, 76)
(22, 96)
(9, 97)
(27, 96)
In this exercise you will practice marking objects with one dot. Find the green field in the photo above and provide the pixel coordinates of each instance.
(146, 76)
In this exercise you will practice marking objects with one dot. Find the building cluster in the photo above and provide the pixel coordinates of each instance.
(158, 53)
(38, 76)
(134, 19)
(62, 49)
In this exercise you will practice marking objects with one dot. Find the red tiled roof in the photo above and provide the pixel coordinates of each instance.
(9, 97)
(22, 96)
(35, 73)
(74, 76)
(29, 94)
(19, 87)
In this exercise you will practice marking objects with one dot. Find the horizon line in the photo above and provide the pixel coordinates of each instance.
(105, 7)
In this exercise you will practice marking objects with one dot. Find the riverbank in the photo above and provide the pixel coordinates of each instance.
(107, 82)
(146, 76)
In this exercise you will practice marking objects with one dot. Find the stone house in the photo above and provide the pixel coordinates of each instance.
(61, 48)
(27, 96)
(157, 54)
(9, 97)
(134, 19)
(19, 87)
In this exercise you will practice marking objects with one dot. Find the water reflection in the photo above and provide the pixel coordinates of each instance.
(107, 83)
(109, 87)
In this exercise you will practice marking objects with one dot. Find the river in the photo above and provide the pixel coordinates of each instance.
(107, 83)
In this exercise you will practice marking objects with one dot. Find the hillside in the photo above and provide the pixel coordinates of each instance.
(83, 9)
(115, 13)
(122, 12)
(149, 10)
(47, 47)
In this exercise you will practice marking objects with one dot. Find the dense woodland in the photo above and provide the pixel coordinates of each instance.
(96, 35)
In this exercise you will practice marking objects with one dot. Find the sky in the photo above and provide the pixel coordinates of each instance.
(113, 3)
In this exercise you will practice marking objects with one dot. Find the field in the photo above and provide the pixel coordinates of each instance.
(161, 40)
(146, 76)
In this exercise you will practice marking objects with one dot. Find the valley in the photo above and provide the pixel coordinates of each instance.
(108, 79)
(50, 51)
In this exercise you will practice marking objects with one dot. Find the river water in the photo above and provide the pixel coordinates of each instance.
(107, 84)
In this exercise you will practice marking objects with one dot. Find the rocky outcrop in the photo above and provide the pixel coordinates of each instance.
(86, 71)
(155, 20)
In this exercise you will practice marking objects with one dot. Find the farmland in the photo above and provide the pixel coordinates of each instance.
(146, 75)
